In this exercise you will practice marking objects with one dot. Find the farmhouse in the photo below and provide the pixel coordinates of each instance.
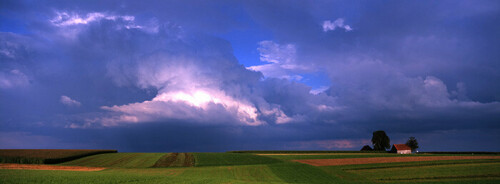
(400, 149)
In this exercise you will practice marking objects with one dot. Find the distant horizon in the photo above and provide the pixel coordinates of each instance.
(205, 76)
(252, 151)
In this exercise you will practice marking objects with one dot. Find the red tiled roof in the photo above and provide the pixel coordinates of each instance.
(401, 147)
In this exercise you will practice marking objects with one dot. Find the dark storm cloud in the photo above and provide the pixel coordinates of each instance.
(152, 76)
(401, 57)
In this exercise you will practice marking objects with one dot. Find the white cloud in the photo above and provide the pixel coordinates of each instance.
(339, 23)
(280, 59)
(12, 79)
(275, 53)
(69, 102)
(275, 71)
(70, 22)
(7, 53)
(319, 90)
(63, 19)
(197, 105)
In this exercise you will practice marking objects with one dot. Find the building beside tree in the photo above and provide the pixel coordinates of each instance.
(400, 149)
(366, 148)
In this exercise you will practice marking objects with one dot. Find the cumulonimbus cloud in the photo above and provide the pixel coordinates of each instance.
(189, 83)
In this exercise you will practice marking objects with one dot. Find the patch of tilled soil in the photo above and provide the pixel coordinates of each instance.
(189, 160)
(49, 167)
(175, 160)
(373, 160)
(166, 160)
(271, 154)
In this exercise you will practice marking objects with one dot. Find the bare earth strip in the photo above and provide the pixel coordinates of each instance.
(175, 160)
(271, 154)
(49, 167)
(353, 161)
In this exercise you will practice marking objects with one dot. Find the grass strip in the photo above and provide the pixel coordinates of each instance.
(223, 159)
(420, 164)
(443, 177)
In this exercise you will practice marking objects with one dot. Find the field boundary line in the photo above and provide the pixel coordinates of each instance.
(421, 165)
(49, 167)
(375, 160)
(443, 177)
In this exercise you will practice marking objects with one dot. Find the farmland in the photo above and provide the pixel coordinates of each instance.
(120, 160)
(175, 160)
(262, 168)
(45, 156)
(221, 159)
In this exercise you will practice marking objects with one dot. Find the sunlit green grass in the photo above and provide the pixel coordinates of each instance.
(127, 160)
(248, 168)
(219, 159)
(219, 174)
(446, 171)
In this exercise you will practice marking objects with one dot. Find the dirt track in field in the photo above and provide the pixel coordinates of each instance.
(49, 167)
(373, 160)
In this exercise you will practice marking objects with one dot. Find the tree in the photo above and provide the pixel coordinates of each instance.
(412, 143)
(380, 141)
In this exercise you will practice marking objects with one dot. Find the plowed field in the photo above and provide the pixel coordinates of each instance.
(354, 161)
(175, 160)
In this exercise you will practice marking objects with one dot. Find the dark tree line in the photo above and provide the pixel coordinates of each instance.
(381, 142)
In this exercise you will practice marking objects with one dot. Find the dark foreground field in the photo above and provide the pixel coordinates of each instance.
(261, 168)
(46, 156)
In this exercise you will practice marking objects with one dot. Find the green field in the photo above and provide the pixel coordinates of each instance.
(450, 171)
(125, 160)
(221, 159)
(250, 168)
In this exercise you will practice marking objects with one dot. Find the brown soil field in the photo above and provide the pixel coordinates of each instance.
(175, 160)
(270, 154)
(353, 161)
(49, 167)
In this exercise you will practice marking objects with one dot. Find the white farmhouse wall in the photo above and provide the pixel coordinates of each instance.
(404, 151)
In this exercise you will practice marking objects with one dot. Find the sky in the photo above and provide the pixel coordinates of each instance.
(212, 76)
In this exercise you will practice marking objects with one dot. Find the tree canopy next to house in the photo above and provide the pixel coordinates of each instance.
(380, 141)
(412, 143)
